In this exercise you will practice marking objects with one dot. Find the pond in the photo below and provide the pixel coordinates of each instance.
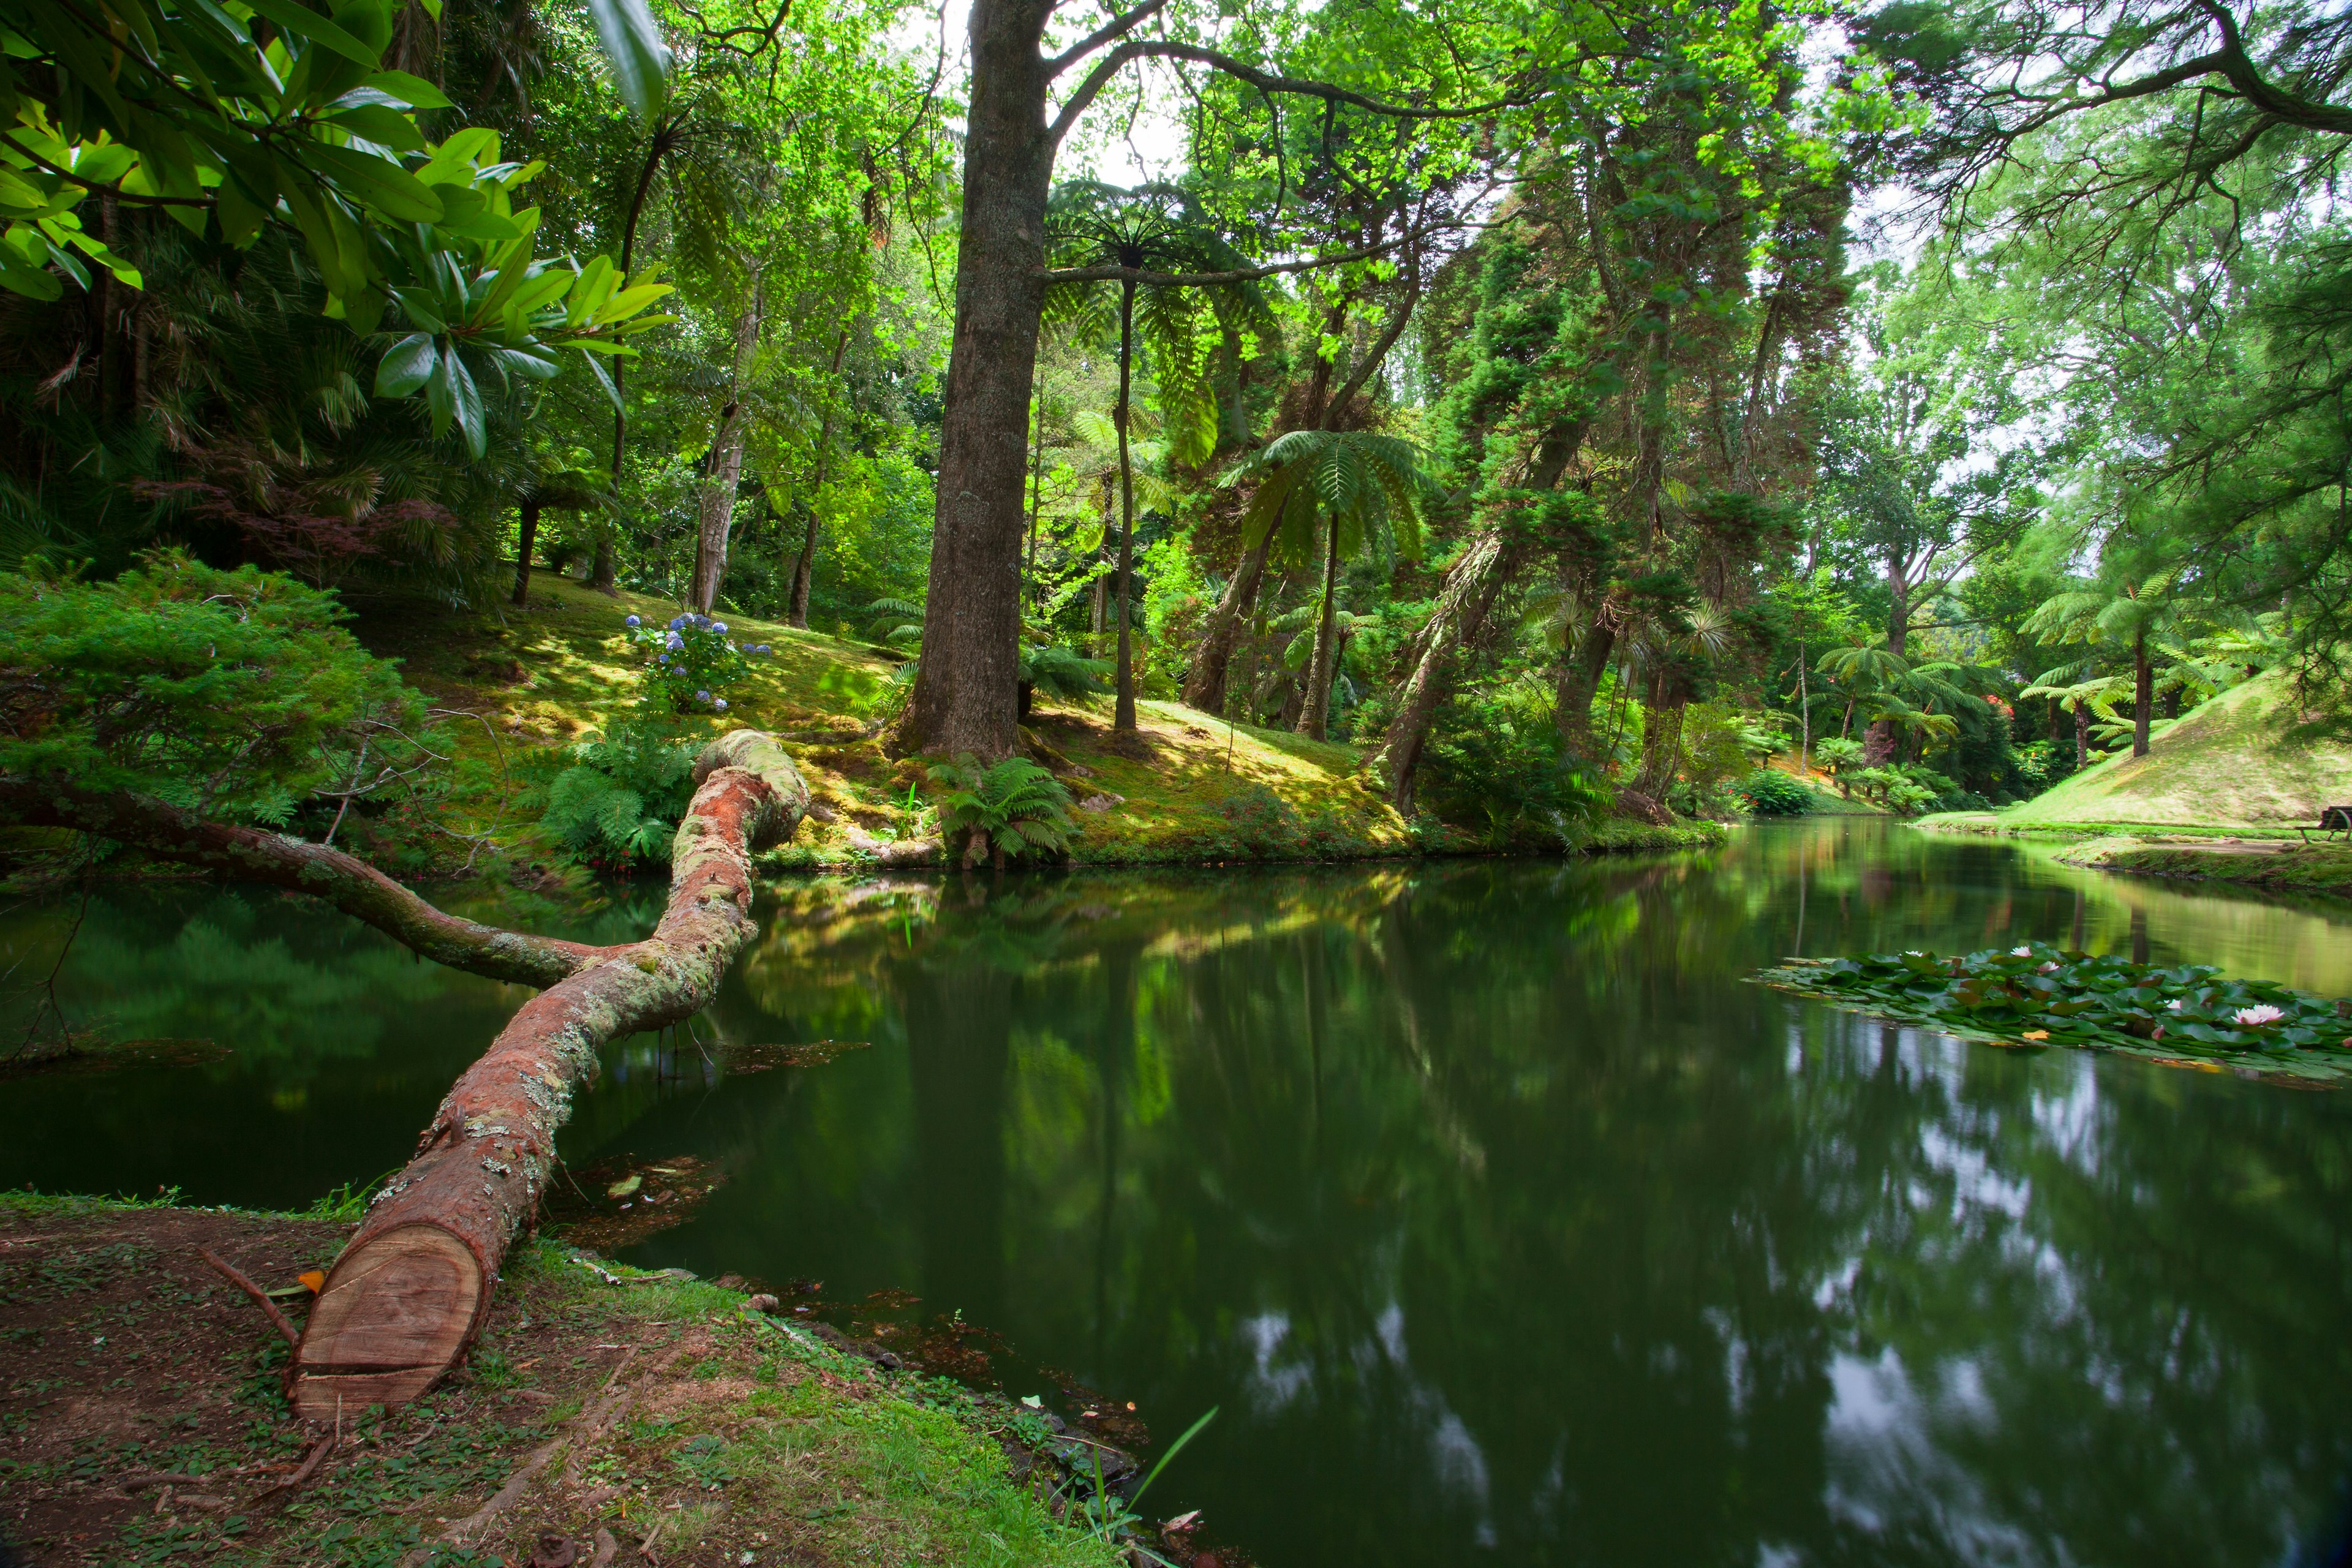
(1500, 1219)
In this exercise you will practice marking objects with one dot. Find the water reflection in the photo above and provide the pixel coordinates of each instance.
(1504, 1220)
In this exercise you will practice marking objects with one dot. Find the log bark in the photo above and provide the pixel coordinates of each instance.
(255, 854)
(529, 541)
(1205, 684)
(413, 1287)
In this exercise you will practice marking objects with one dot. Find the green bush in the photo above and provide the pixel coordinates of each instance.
(236, 694)
(1772, 793)
(692, 663)
(1011, 811)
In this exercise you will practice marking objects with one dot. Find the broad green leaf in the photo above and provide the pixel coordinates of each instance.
(406, 365)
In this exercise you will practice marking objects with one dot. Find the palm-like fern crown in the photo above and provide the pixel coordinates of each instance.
(1152, 228)
(1374, 484)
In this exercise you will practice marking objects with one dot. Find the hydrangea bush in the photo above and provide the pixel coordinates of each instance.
(691, 663)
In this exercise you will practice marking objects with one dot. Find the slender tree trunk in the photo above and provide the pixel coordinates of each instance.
(965, 696)
(805, 569)
(1316, 718)
(602, 576)
(526, 541)
(2082, 734)
(1124, 716)
(1662, 738)
(2172, 703)
(716, 511)
(1205, 683)
(1037, 509)
(1471, 583)
(1879, 741)
(2143, 694)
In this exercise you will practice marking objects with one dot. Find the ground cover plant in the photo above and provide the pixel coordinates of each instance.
(2034, 993)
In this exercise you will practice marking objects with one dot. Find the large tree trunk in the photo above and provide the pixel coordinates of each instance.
(1123, 712)
(805, 569)
(2143, 694)
(526, 542)
(413, 1287)
(965, 692)
(1578, 683)
(1315, 719)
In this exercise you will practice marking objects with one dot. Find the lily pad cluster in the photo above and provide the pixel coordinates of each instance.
(2035, 992)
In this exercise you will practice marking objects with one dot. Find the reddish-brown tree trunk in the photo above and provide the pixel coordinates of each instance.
(413, 1287)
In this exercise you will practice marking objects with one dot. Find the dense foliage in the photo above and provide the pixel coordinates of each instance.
(1506, 391)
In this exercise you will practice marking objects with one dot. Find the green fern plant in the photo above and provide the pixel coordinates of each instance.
(1013, 811)
(617, 806)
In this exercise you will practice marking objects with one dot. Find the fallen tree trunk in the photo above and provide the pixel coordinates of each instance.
(413, 1287)
(257, 854)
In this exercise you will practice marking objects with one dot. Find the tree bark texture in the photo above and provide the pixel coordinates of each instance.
(1578, 683)
(257, 854)
(805, 569)
(717, 509)
(1205, 683)
(1463, 599)
(413, 1287)
(526, 542)
(1878, 743)
(1315, 720)
(2143, 694)
(1123, 713)
(965, 690)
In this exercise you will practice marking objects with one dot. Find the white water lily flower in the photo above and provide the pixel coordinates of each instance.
(2176, 1004)
(2047, 969)
(1913, 952)
(2258, 1015)
(2020, 952)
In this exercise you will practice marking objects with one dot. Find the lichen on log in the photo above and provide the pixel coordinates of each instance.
(413, 1285)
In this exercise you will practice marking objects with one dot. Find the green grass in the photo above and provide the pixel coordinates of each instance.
(2255, 757)
(1181, 791)
(2317, 868)
(744, 1438)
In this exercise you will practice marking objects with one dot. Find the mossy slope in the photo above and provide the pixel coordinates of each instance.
(2253, 757)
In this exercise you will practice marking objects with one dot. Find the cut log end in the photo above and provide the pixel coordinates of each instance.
(393, 1316)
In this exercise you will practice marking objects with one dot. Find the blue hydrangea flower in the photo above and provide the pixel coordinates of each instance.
(665, 659)
(677, 622)
(633, 622)
(702, 697)
(719, 627)
(720, 705)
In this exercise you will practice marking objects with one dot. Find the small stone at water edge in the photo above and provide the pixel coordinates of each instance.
(764, 1302)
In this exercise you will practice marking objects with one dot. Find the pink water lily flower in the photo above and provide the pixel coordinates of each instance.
(2260, 1013)
(2020, 952)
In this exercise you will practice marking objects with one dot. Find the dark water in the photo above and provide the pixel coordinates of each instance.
(1502, 1221)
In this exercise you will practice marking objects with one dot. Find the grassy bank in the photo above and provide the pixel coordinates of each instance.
(658, 1420)
(2278, 867)
(2252, 761)
(1187, 788)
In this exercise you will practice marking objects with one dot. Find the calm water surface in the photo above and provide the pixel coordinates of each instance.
(1502, 1220)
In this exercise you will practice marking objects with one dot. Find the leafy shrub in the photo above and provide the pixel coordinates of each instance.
(1059, 672)
(617, 804)
(692, 664)
(236, 694)
(1009, 812)
(1772, 793)
(1842, 758)
(1497, 756)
